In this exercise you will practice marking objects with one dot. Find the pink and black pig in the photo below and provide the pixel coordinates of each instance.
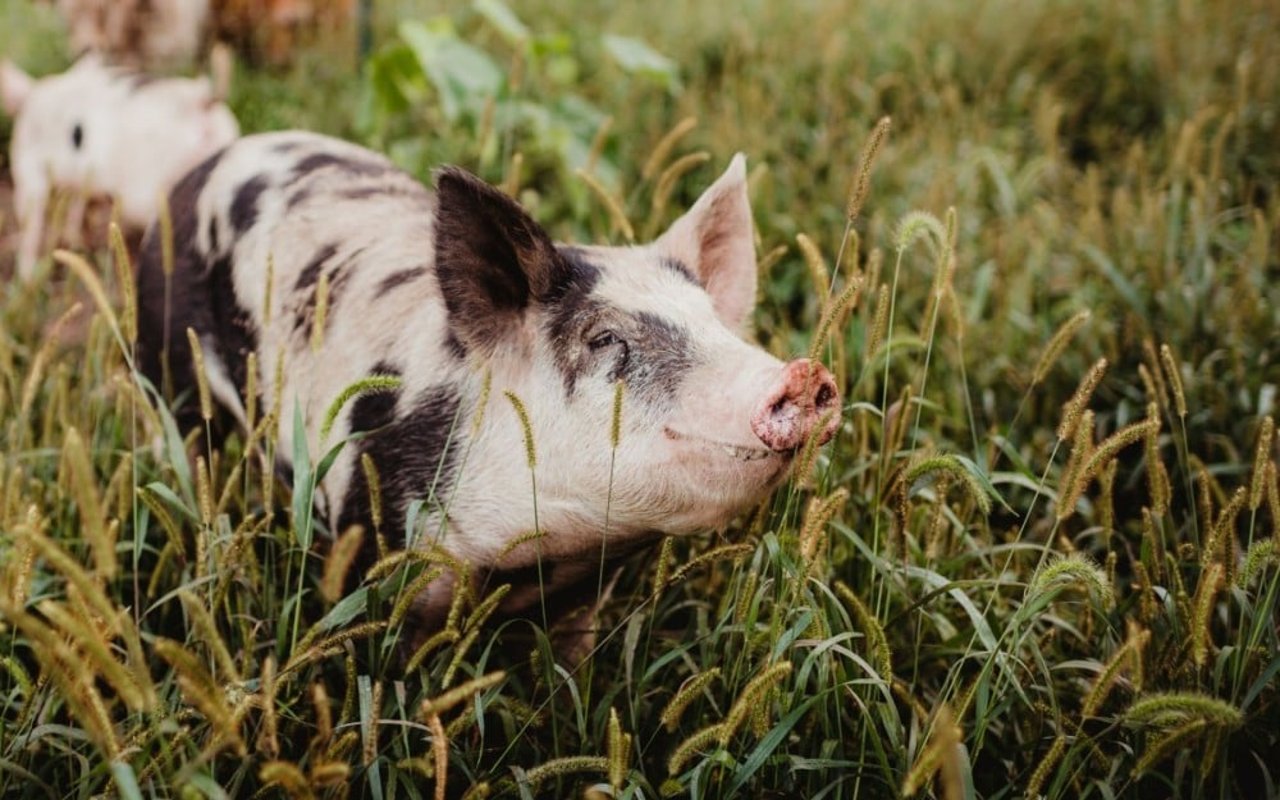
(97, 130)
(450, 289)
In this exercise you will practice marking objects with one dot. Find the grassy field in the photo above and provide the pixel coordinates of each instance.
(1039, 559)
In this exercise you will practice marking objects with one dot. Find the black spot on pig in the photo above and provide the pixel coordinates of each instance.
(415, 456)
(374, 410)
(347, 164)
(233, 327)
(400, 278)
(77, 136)
(183, 300)
(244, 207)
(678, 267)
(311, 272)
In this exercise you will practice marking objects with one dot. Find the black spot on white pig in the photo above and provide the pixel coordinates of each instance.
(98, 130)
(441, 289)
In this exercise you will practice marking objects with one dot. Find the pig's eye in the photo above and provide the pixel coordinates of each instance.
(603, 339)
(77, 136)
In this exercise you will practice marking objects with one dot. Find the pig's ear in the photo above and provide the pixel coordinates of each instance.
(492, 258)
(15, 85)
(714, 240)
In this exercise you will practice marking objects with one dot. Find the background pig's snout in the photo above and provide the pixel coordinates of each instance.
(804, 397)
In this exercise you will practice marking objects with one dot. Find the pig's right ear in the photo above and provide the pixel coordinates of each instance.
(15, 85)
(492, 259)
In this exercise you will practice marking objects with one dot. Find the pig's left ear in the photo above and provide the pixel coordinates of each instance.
(15, 85)
(714, 240)
(492, 259)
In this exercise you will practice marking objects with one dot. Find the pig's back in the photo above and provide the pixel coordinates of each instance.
(322, 213)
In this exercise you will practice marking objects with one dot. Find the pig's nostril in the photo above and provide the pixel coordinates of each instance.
(825, 395)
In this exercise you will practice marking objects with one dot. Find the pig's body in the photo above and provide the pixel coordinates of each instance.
(453, 289)
(95, 130)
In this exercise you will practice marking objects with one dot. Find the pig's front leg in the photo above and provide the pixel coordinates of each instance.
(31, 207)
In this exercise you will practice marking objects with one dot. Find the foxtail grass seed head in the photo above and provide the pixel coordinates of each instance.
(1174, 375)
(1076, 405)
(617, 214)
(819, 514)
(321, 313)
(689, 691)
(530, 454)
(166, 235)
(202, 378)
(872, 630)
(619, 751)
(866, 161)
(447, 701)
(941, 753)
(658, 156)
(1157, 476)
(251, 391)
(1261, 458)
(124, 277)
(669, 178)
(695, 743)
(598, 141)
(341, 556)
(1076, 570)
(374, 482)
(951, 466)
(916, 225)
(753, 695)
(1167, 709)
(89, 277)
(1058, 343)
(879, 323)
(615, 423)
(1206, 593)
(1260, 555)
(370, 384)
(817, 265)
(834, 312)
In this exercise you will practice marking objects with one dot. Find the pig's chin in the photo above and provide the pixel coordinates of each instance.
(750, 469)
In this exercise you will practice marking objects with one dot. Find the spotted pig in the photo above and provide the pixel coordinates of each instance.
(465, 298)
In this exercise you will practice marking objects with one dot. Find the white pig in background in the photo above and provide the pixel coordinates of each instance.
(139, 32)
(100, 130)
(458, 290)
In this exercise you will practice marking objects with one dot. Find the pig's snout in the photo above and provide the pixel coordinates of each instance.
(803, 398)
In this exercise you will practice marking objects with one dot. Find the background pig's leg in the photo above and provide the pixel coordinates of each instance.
(73, 227)
(31, 204)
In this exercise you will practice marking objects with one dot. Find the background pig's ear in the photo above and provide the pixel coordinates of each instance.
(492, 259)
(714, 240)
(15, 85)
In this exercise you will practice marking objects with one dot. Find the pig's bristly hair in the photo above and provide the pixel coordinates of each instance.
(492, 258)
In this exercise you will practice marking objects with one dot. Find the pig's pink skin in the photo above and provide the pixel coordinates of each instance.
(464, 297)
(95, 130)
(804, 397)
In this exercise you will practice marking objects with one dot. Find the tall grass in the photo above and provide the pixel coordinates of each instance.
(1038, 559)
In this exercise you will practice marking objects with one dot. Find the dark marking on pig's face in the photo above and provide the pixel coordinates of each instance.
(424, 470)
(492, 260)
(77, 136)
(244, 208)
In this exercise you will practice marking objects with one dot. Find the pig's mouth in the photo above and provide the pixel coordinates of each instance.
(735, 451)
